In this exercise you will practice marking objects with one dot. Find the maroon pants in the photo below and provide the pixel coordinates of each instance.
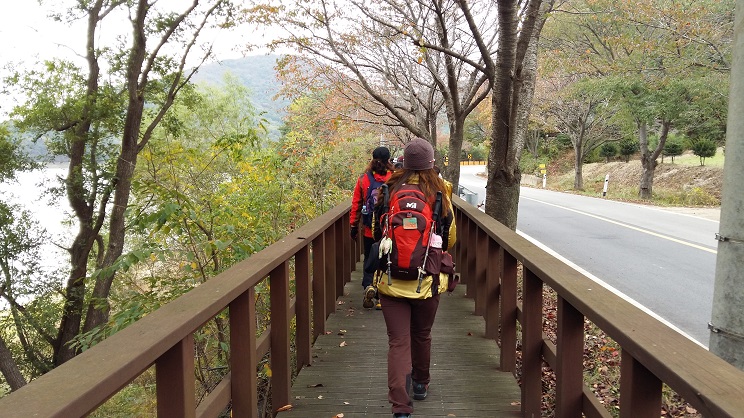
(409, 323)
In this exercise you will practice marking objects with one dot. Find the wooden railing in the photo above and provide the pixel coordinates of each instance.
(489, 256)
(323, 259)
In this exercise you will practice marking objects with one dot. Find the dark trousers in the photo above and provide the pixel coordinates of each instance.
(367, 277)
(409, 323)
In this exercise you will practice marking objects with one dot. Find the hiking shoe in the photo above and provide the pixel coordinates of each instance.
(378, 305)
(369, 295)
(420, 390)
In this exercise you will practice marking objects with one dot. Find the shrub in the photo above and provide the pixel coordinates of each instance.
(628, 147)
(704, 148)
(608, 150)
(672, 149)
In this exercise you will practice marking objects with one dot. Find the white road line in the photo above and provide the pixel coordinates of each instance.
(610, 288)
(635, 228)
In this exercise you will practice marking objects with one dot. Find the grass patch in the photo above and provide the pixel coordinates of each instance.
(690, 159)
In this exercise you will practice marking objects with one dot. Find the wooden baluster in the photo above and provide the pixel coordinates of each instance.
(243, 357)
(570, 361)
(330, 269)
(302, 307)
(174, 377)
(479, 270)
(508, 311)
(280, 357)
(319, 290)
(493, 304)
(532, 345)
(640, 390)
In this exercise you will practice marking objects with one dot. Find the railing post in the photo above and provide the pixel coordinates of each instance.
(243, 358)
(640, 390)
(508, 311)
(464, 231)
(469, 270)
(341, 276)
(479, 270)
(281, 381)
(531, 344)
(330, 270)
(174, 377)
(570, 357)
(302, 307)
(458, 250)
(493, 303)
(349, 265)
(319, 287)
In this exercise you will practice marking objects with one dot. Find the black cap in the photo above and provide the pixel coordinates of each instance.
(382, 154)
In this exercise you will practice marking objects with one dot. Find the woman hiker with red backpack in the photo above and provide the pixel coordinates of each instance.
(378, 171)
(419, 211)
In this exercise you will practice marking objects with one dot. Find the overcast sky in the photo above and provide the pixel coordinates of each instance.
(26, 33)
(28, 36)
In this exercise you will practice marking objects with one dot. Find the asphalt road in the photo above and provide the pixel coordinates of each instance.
(662, 261)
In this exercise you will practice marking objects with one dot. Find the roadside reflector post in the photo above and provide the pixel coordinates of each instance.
(604, 190)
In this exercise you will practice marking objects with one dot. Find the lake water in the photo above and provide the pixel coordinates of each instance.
(28, 192)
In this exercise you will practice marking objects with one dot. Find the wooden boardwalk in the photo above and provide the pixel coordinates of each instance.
(349, 371)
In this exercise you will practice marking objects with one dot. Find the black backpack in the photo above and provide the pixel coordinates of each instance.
(368, 205)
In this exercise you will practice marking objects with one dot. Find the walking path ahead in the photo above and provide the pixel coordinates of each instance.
(349, 371)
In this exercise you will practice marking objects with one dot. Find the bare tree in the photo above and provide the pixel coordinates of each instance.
(391, 55)
(584, 112)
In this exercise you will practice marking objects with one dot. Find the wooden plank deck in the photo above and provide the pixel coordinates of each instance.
(349, 371)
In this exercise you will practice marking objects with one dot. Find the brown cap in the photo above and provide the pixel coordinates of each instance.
(418, 155)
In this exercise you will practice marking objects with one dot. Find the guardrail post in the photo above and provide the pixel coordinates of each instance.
(281, 381)
(319, 287)
(570, 361)
(508, 311)
(302, 307)
(493, 289)
(243, 357)
(640, 390)
(174, 377)
(532, 342)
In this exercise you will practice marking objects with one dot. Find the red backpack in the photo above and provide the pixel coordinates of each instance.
(408, 224)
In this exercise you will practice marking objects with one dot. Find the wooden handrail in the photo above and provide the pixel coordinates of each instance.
(165, 337)
(652, 353)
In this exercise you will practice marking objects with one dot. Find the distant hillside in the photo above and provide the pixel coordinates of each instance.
(257, 73)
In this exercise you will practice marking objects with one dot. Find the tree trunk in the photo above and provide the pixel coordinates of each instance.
(98, 308)
(501, 187)
(648, 157)
(452, 171)
(9, 368)
(77, 196)
(647, 176)
(578, 168)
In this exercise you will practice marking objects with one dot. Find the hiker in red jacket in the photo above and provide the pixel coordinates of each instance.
(378, 171)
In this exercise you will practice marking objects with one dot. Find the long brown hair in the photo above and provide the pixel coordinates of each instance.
(379, 166)
(427, 180)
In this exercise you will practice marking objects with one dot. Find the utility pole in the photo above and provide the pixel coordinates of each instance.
(727, 320)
